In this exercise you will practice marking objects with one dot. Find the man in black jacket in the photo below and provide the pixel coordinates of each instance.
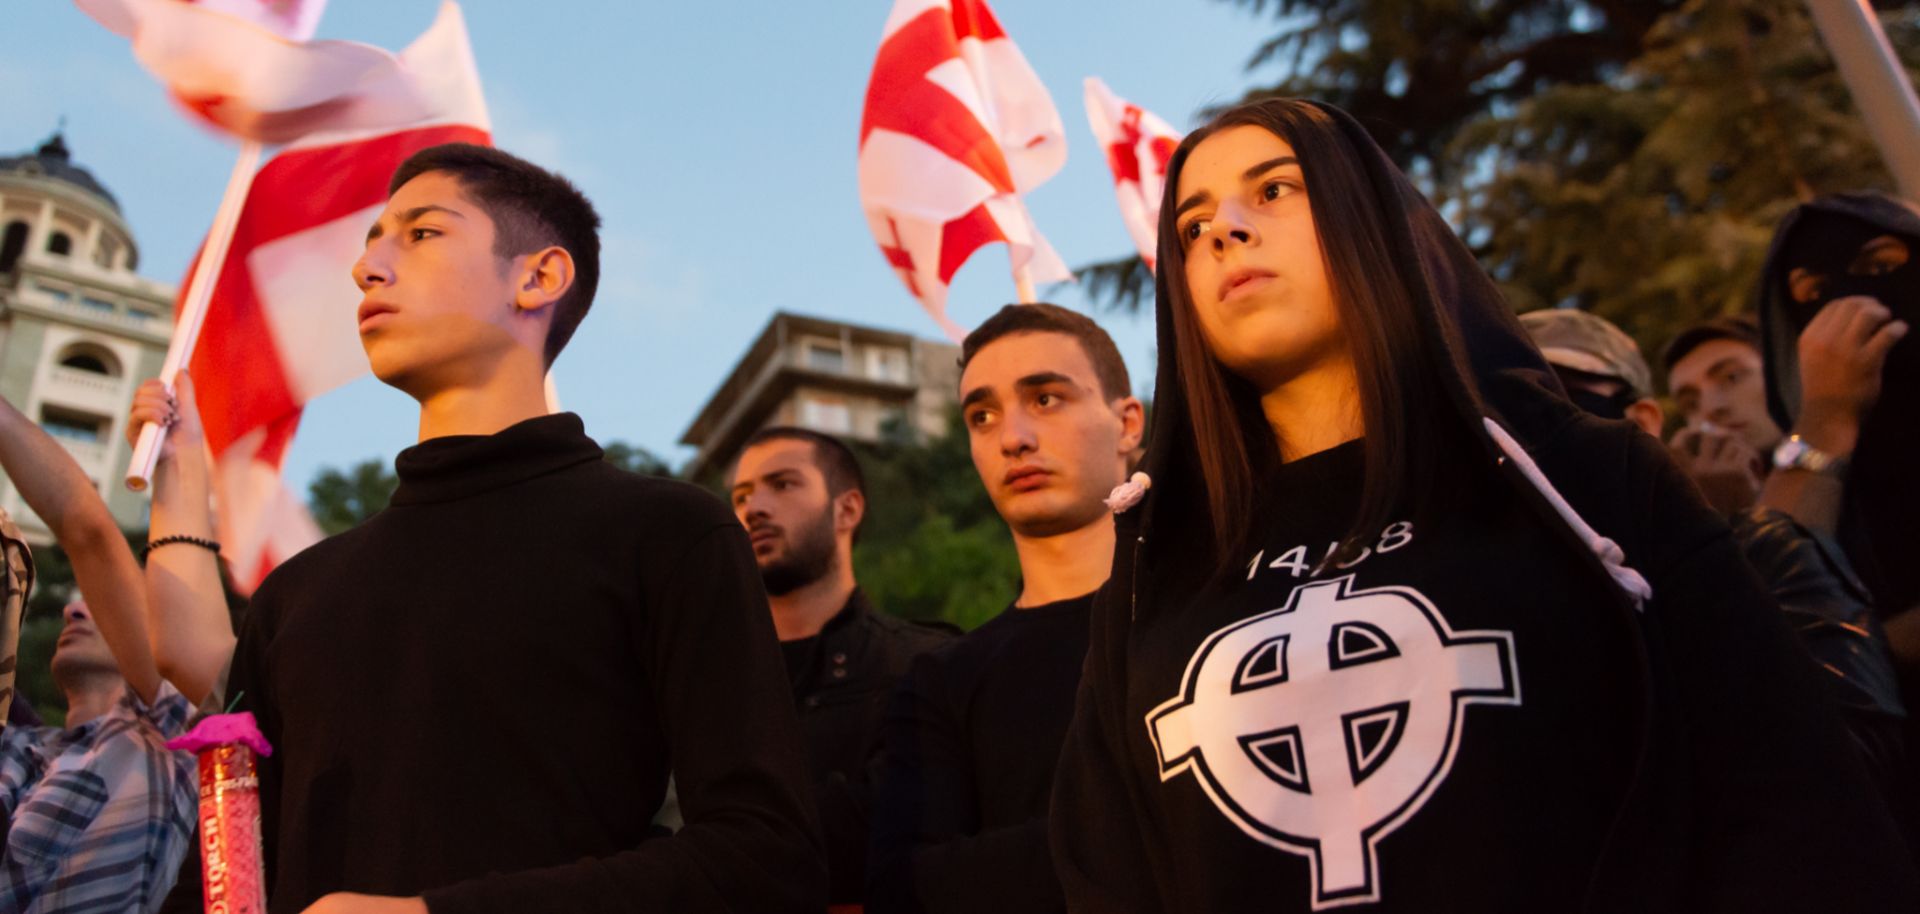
(1604, 373)
(801, 496)
(476, 697)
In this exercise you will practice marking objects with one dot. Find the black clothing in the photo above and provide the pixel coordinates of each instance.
(1732, 786)
(1451, 672)
(1833, 615)
(968, 751)
(1882, 495)
(478, 695)
(841, 679)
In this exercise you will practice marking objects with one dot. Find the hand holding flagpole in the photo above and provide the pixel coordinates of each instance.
(193, 309)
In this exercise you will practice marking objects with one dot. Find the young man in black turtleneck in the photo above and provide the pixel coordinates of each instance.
(801, 496)
(476, 697)
(970, 740)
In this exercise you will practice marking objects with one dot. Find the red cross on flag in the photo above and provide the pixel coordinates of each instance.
(1138, 144)
(279, 326)
(957, 126)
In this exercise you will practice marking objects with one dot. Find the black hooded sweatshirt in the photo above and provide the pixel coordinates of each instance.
(1563, 689)
(478, 695)
(1882, 496)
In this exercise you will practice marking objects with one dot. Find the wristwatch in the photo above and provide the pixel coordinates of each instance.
(1796, 454)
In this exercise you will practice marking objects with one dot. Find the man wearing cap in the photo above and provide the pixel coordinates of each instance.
(1599, 365)
(1605, 374)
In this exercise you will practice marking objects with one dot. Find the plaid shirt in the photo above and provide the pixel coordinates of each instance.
(98, 816)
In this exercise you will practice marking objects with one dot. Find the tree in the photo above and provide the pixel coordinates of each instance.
(636, 459)
(1416, 72)
(1651, 199)
(340, 500)
(1630, 157)
(932, 547)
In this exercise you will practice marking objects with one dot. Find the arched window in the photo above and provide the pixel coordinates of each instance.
(90, 358)
(11, 244)
(61, 243)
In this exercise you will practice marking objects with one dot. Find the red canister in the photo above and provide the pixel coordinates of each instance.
(230, 857)
(232, 864)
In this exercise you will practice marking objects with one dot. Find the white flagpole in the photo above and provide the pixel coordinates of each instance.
(1878, 83)
(1023, 286)
(193, 310)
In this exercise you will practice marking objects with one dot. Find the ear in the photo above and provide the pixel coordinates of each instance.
(543, 278)
(849, 509)
(1133, 423)
(1646, 413)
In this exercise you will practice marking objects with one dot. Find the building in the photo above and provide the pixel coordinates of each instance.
(78, 328)
(854, 382)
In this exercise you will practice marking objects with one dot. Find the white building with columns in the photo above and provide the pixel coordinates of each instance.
(79, 329)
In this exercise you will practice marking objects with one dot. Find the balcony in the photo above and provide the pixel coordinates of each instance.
(86, 390)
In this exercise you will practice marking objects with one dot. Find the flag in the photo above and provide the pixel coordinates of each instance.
(243, 75)
(956, 127)
(280, 329)
(294, 20)
(1138, 144)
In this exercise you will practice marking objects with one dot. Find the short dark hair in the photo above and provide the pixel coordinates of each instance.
(1741, 328)
(834, 458)
(531, 208)
(1044, 318)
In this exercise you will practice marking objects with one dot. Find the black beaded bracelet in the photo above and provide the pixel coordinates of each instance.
(206, 544)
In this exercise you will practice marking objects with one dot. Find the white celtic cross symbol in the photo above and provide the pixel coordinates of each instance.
(1321, 726)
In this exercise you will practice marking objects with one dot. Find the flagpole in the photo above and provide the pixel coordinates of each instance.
(193, 310)
(1878, 84)
(1023, 285)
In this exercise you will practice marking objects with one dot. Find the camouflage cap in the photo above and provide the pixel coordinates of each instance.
(1583, 342)
(16, 586)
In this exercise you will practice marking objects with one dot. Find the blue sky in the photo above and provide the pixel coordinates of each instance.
(717, 140)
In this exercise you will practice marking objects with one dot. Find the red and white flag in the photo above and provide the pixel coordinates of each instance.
(246, 68)
(1138, 144)
(294, 20)
(280, 329)
(957, 126)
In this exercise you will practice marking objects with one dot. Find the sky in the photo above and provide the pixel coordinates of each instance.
(718, 142)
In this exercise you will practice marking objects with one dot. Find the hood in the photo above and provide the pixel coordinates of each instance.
(1497, 384)
(1491, 367)
(1780, 325)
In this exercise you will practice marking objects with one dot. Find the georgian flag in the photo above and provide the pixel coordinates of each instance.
(956, 127)
(246, 68)
(1138, 144)
(280, 328)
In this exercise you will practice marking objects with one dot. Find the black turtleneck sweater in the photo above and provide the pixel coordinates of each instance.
(478, 695)
(968, 751)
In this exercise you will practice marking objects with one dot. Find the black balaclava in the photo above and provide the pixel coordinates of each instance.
(1883, 492)
(1827, 243)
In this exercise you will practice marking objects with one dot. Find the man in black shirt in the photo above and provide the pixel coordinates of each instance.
(970, 741)
(801, 496)
(476, 697)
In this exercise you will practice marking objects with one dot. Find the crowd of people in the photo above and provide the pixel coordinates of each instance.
(1400, 602)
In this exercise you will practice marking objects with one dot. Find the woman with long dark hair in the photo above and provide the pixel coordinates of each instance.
(1395, 626)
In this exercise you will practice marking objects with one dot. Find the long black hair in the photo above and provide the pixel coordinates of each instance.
(1396, 366)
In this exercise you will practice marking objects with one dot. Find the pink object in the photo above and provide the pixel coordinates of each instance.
(232, 864)
(222, 730)
(1138, 145)
(955, 128)
(1129, 493)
